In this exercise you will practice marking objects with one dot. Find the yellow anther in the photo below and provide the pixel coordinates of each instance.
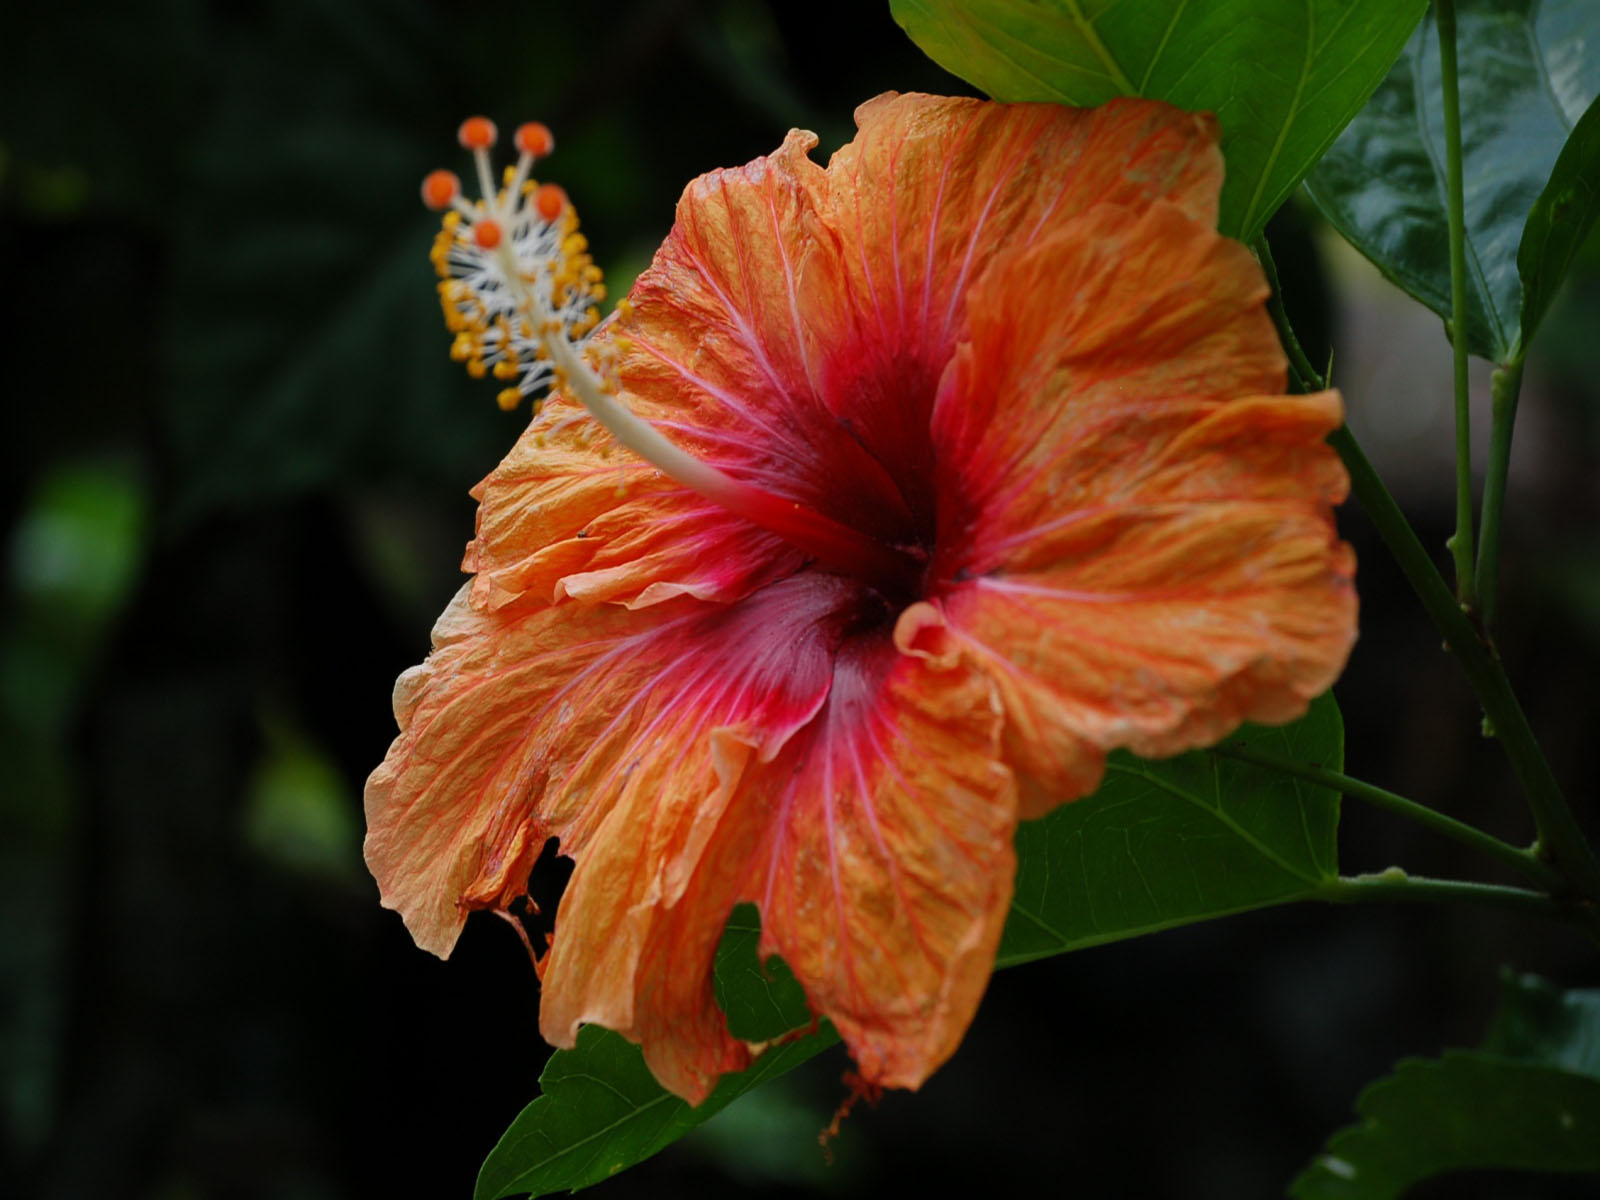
(462, 348)
(505, 369)
(476, 368)
(451, 220)
(508, 399)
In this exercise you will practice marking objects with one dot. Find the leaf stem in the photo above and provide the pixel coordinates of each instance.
(1396, 884)
(1505, 387)
(1523, 861)
(1460, 543)
(1561, 841)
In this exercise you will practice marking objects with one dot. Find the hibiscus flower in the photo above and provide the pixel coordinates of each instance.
(989, 471)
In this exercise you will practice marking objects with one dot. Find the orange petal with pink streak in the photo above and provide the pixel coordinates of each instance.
(539, 722)
(925, 196)
(569, 513)
(887, 881)
(794, 317)
(715, 351)
(877, 844)
(1151, 556)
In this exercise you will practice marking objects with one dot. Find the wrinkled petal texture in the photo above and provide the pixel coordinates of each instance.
(877, 844)
(1137, 526)
(793, 328)
(541, 721)
(1006, 338)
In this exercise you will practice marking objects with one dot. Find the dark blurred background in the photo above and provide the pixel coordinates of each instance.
(234, 496)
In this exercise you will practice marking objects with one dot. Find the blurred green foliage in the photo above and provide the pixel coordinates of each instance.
(1529, 1098)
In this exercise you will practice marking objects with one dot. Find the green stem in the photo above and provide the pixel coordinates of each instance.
(1561, 841)
(1460, 543)
(1395, 884)
(1504, 390)
(1522, 861)
(1306, 377)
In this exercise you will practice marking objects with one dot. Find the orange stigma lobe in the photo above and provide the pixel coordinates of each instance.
(440, 188)
(487, 233)
(477, 133)
(535, 138)
(550, 200)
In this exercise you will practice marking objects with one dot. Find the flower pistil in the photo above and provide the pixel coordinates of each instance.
(521, 293)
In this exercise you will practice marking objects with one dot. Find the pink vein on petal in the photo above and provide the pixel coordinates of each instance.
(958, 291)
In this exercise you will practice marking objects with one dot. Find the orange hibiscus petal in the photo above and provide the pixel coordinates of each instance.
(539, 722)
(717, 351)
(1148, 555)
(927, 193)
(931, 188)
(877, 844)
(795, 318)
(569, 513)
(888, 874)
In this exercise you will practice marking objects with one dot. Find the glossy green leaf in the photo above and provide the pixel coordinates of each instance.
(1560, 221)
(1171, 842)
(601, 1109)
(1160, 844)
(1526, 80)
(1283, 78)
(1529, 1100)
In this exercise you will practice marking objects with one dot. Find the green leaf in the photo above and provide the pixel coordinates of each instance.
(1282, 78)
(761, 1001)
(1171, 842)
(1560, 221)
(1529, 1100)
(602, 1110)
(1525, 83)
